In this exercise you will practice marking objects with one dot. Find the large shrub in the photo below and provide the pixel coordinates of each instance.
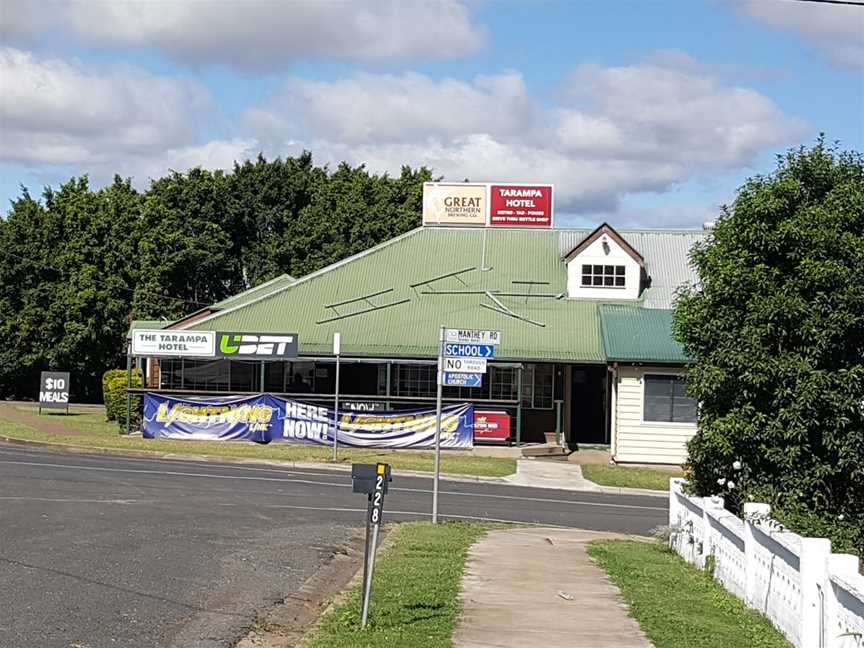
(776, 328)
(114, 384)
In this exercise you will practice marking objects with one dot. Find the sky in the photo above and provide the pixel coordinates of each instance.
(643, 113)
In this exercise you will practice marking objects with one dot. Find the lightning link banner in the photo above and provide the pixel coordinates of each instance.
(265, 418)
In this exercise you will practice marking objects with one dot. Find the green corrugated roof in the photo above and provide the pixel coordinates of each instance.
(146, 324)
(256, 291)
(572, 327)
(635, 334)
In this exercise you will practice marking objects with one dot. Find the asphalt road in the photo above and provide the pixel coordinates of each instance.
(103, 551)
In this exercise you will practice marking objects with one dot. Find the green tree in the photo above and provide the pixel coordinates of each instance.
(65, 284)
(79, 265)
(776, 328)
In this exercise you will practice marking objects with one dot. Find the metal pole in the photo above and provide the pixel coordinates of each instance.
(387, 404)
(366, 549)
(371, 563)
(128, 387)
(336, 412)
(440, 381)
(262, 378)
(558, 422)
(519, 407)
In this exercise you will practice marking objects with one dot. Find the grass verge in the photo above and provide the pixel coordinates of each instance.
(88, 428)
(414, 594)
(679, 606)
(625, 477)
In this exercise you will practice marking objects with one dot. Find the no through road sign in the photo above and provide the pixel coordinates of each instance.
(465, 365)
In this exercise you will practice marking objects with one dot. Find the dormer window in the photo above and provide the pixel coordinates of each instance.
(604, 266)
(603, 276)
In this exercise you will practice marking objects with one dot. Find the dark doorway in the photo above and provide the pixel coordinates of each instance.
(588, 405)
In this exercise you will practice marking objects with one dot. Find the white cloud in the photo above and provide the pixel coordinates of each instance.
(837, 30)
(613, 131)
(57, 112)
(259, 34)
(215, 154)
(380, 109)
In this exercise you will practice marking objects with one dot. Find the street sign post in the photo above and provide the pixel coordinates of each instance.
(462, 355)
(373, 480)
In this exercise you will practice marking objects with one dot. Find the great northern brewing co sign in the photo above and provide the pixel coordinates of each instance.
(513, 205)
(458, 203)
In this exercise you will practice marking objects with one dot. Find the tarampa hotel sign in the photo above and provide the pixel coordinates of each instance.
(488, 205)
(200, 344)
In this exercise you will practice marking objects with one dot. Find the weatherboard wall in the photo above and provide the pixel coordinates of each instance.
(640, 442)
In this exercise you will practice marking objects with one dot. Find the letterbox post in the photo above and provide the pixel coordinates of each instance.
(371, 479)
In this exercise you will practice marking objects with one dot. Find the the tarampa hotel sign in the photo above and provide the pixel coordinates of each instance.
(488, 204)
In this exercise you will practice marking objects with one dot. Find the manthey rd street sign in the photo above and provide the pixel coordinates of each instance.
(472, 336)
(463, 379)
(465, 365)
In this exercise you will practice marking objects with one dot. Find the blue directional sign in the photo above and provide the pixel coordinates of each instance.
(463, 379)
(455, 350)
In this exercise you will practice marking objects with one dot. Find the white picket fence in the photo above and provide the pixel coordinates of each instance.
(813, 596)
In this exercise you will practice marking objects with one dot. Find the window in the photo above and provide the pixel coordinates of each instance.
(666, 400)
(603, 276)
(502, 381)
(416, 380)
(538, 383)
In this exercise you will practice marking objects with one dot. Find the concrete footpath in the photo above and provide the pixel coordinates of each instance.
(538, 587)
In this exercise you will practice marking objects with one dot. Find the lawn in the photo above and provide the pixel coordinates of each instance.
(626, 477)
(414, 594)
(679, 606)
(88, 428)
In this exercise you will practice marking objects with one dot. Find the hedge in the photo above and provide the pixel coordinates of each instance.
(114, 395)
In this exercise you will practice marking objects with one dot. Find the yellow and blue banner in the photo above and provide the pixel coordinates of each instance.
(265, 418)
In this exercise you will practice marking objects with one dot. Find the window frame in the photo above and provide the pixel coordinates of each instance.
(644, 382)
(529, 388)
(592, 274)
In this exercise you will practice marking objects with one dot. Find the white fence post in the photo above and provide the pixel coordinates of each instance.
(715, 503)
(753, 511)
(838, 564)
(675, 523)
(813, 567)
